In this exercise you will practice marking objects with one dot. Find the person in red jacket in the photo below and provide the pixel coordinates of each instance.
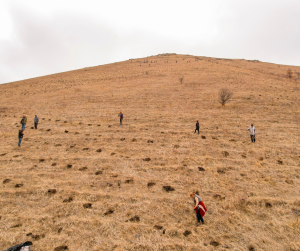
(199, 207)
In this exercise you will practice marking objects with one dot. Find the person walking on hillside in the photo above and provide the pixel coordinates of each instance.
(197, 127)
(21, 134)
(199, 207)
(36, 121)
(23, 122)
(252, 133)
(121, 117)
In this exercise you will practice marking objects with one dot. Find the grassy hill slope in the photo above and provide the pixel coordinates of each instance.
(81, 181)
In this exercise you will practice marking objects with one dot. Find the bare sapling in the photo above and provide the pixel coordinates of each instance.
(225, 95)
(289, 73)
(181, 79)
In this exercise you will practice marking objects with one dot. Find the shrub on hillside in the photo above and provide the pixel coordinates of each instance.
(181, 79)
(289, 73)
(225, 95)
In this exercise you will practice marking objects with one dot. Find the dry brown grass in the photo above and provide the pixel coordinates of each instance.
(114, 199)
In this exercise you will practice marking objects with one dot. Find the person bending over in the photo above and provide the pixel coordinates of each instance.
(199, 207)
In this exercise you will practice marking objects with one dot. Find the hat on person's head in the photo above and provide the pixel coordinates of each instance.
(251, 124)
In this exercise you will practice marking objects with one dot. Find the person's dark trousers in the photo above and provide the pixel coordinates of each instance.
(23, 126)
(252, 138)
(121, 121)
(35, 125)
(20, 140)
(199, 217)
(197, 129)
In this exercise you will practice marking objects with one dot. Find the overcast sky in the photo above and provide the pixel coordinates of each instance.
(43, 37)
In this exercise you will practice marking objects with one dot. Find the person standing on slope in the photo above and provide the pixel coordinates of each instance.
(252, 133)
(21, 134)
(36, 121)
(197, 127)
(121, 117)
(199, 207)
(23, 122)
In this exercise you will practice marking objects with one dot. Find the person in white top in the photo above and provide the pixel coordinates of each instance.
(252, 133)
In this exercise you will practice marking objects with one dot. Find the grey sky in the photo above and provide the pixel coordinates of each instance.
(44, 37)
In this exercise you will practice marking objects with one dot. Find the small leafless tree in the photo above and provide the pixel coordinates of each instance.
(289, 73)
(225, 96)
(181, 79)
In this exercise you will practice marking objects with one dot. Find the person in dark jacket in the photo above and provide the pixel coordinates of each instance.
(197, 127)
(121, 117)
(23, 122)
(21, 134)
(36, 121)
(199, 207)
(20, 246)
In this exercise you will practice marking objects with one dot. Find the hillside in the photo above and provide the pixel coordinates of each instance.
(81, 182)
